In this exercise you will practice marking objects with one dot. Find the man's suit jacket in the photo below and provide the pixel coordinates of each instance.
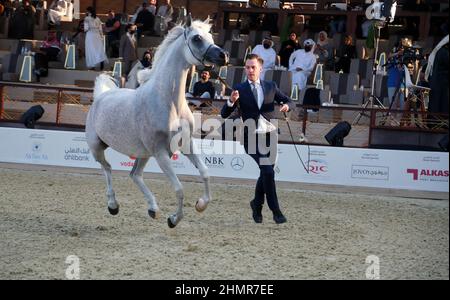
(128, 48)
(248, 104)
(249, 107)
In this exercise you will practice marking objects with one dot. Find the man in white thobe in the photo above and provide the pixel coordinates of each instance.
(301, 64)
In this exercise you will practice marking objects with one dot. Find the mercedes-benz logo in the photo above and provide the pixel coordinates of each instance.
(237, 163)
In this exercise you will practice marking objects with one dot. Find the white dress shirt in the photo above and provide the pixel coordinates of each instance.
(259, 91)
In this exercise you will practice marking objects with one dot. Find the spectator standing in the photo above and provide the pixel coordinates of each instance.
(112, 29)
(95, 50)
(128, 48)
(395, 77)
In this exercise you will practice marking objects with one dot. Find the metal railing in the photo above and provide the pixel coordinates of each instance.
(67, 106)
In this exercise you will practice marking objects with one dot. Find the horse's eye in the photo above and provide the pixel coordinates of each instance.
(197, 38)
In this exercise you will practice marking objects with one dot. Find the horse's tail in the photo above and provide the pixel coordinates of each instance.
(103, 83)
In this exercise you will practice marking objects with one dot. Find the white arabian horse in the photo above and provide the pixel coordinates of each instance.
(142, 123)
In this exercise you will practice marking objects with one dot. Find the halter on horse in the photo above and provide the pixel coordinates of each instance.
(143, 123)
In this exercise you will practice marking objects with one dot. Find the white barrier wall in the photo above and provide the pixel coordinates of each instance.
(414, 170)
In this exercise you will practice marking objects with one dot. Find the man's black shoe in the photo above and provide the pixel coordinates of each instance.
(279, 218)
(257, 215)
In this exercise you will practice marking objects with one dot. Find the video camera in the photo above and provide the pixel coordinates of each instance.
(410, 55)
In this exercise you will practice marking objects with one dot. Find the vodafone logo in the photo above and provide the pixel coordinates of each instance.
(428, 174)
(128, 163)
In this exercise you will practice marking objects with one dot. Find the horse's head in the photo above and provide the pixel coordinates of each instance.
(200, 47)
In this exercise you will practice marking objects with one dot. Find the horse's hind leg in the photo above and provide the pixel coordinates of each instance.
(136, 175)
(162, 157)
(202, 203)
(99, 155)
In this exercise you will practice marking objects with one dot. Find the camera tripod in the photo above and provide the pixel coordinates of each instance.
(372, 97)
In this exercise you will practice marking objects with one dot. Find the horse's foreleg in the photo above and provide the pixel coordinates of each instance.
(113, 206)
(202, 203)
(136, 175)
(162, 157)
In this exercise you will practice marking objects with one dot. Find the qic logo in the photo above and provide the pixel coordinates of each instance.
(318, 166)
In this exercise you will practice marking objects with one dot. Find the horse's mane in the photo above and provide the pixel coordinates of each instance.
(173, 35)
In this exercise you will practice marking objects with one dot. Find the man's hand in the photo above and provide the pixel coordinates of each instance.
(234, 96)
(284, 108)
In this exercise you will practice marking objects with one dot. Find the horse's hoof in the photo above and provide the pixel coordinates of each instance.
(113, 211)
(169, 222)
(153, 214)
(201, 205)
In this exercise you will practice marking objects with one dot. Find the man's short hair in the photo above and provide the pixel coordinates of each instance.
(255, 56)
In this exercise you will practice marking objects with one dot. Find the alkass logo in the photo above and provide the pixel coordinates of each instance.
(318, 166)
(428, 174)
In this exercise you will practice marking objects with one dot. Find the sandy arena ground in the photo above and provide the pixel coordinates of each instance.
(47, 215)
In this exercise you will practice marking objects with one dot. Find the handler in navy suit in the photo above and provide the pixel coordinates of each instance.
(256, 98)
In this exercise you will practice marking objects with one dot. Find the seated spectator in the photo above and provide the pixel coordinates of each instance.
(56, 10)
(49, 51)
(324, 51)
(145, 21)
(287, 48)
(144, 63)
(152, 7)
(301, 64)
(267, 53)
(202, 89)
(344, 58)
(165, 11)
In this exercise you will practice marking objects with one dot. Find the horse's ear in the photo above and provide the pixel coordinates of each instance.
(208, 20)
(188, 20)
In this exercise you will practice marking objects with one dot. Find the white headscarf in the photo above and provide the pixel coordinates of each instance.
(322, 43)
(429, 70)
